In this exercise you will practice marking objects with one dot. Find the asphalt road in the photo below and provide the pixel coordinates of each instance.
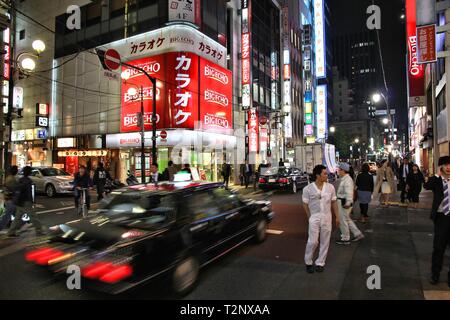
(256, 264)
(397, 240)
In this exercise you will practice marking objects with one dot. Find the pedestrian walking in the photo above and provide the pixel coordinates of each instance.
(281, 163)
(345, 204)
(403, 172)
(155, 176)
(226, 173)
(23, 199)
(100, 177)
(440, 214)
(414, 183)
(319, 201)
(82, 183)
(11, 185)
(364, 187)
(169, 172)
(385, 182)
(246, 172)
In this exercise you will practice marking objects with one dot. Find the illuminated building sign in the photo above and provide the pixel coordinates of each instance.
(181, 89)
(246, 41)
(309, 129)
(319, 32)
(253, 130)
(415, 70)
(322, 112)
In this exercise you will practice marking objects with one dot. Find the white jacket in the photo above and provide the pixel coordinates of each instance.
(345, 190)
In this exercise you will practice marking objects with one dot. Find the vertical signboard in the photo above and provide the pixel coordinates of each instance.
(253, 130)
(416, 72)
(131, 105)
(216, 97)
(426, 44)
(246, 54)
(322, 112)
(182, 86)
(319, 38)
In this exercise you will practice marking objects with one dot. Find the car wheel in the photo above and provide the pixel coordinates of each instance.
(185, 276)
(50, 191)
(294, 187)
(261, 231)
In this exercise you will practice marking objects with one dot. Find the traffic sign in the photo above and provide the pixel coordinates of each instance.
(112, 59)
(163, 135)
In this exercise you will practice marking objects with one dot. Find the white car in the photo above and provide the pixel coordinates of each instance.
(51, 181)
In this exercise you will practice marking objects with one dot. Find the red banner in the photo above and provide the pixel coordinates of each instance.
(178, 97)
(415, 70)
(216, 97)
(253, 131)
(182, 84)
(131, 105)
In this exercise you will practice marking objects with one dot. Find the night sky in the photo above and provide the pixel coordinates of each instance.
(349, 16)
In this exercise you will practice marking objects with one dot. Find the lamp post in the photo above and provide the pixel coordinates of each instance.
(154, 118)
(24, 63)
(388, 121)
(132, 92)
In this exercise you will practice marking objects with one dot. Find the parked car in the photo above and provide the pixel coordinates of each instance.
(51, 181)
(143, 232)
(282, 178)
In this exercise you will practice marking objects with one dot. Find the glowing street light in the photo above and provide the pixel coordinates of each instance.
(356, 140)
(376, 97)
(385, 121)
(28, 64)
(38, 46)
(332, 129)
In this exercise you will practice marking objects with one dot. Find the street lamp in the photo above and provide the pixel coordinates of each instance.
(356, 140)
(24, 63)
(377, 98)
(385, 121)
(332, 129)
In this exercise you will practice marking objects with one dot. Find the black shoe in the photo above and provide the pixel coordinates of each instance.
(343, 242)
(434, 279)
(319, 269)
(310, 269)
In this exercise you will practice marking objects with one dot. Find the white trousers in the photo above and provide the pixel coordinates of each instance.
(346, 224)
(319, 227)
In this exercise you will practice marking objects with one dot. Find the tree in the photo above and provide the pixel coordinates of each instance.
(342, 142)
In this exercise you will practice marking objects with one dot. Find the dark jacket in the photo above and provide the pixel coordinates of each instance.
(435, 184)
(100, 176)
(11, 185)
(364, 182)
(226, 170)
(24, 192)
(82, 181)
(415, 182)
(400, 170)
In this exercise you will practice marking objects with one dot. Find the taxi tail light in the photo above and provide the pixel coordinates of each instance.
(107, 272)
(262, 180)
(43, 255)
(283, 180)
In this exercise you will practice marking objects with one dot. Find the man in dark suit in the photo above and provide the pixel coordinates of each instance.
(440, 214)
(403, 172)
(246, 172)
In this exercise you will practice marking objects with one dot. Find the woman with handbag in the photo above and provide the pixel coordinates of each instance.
(385, 182)
(364, 187)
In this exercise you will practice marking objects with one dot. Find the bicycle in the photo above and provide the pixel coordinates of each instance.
(82, 203)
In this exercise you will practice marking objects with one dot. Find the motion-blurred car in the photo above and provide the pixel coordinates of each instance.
(282, 178)
(143, 232)
(51, 181)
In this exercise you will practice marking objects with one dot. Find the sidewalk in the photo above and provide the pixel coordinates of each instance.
(399, 240)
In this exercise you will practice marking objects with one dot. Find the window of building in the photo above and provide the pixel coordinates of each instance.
(21, 34)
